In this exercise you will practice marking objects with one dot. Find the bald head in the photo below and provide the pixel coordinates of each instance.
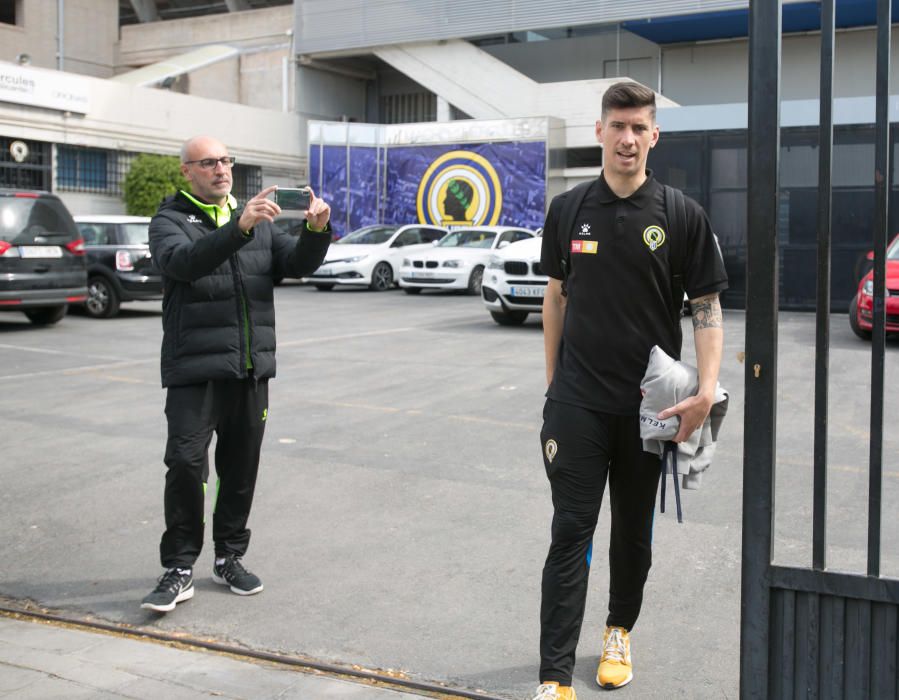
(212, 185)
(197, 144)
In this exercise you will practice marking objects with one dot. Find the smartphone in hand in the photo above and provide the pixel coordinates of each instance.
(293, 198)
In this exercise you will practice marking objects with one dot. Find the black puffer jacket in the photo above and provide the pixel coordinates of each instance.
(206, 271)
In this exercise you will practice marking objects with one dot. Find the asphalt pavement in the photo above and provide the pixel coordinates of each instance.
(402, 514)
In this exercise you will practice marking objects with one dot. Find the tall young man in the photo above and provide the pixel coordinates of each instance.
(218, 352)
(617, 262)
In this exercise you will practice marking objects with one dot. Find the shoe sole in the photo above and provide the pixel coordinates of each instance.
(239, 591)
(180, 598)
(611, 686)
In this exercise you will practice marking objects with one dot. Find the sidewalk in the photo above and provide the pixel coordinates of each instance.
(41, 661)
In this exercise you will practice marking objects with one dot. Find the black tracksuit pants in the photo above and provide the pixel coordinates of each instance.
(236, 409)
(581, 450)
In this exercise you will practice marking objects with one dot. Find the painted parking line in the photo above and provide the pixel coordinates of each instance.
(72, 371)
(349, 336)
(46, 351)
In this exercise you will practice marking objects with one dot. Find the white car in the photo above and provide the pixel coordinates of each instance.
(372, 255)
(459, 259)
(514, 284)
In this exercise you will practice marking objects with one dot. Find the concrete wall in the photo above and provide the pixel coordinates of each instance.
(604, 55)
(146, 120)
(716, 73)
(254, 78)
(328, 96)
(90, 35)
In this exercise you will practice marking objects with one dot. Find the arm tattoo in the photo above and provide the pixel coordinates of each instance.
(707, 313)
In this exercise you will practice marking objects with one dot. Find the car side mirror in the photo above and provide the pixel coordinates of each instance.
(434, 242)
(870, 255)
(503, 244)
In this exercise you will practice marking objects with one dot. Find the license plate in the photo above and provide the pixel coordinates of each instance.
(422, 275)
(40, 251)
(526, 291)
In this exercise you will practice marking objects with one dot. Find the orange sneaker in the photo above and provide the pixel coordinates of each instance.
(554, 691)
(615, 667)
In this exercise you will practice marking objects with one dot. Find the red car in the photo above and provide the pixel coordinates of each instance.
(862, 305)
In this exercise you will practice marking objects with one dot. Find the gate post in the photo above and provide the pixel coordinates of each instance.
(761, 343)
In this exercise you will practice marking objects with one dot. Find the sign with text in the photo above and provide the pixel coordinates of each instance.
(43, 88)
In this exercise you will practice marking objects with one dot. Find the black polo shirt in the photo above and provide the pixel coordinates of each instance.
(619, 290)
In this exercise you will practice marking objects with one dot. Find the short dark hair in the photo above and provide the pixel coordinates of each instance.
(626, 95)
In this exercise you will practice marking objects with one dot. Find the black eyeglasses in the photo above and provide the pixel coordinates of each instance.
(210, 163)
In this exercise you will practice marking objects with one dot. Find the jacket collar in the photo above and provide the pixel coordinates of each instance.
(218, 215)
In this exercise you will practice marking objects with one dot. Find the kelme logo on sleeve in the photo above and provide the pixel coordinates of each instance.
(654, 237)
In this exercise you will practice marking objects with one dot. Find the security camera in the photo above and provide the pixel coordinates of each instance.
(23, 59)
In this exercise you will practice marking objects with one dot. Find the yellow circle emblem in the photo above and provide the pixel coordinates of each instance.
(460, 188)
(654, 237)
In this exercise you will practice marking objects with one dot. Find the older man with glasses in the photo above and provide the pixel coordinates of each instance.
(218, 263)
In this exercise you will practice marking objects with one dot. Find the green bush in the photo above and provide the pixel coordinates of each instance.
(151, 179)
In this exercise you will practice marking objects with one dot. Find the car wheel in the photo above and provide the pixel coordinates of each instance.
(474, 282)
(46, 316)
(412, 290)
(853, 320)
(324, 287)
(102, 299)
(381, 277)
(509, 318)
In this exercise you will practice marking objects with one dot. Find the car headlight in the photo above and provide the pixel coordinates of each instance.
(496, 263)
(868, 288)
(452, 263)
(355, 259)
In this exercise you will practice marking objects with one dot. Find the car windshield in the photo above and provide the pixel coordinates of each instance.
(372, 235)
(135, 234)
(893, 250)
(468, 239)
(26, 220)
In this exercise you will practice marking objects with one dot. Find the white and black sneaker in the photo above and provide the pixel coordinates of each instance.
(231, 572)
(173, 587)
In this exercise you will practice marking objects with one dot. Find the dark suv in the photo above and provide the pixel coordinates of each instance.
(42, 267)
(119, 265)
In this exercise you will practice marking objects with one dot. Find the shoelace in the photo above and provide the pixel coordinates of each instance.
(234, 568)
(546, 692)
(613, 649)
(171, 579)
(671, 449)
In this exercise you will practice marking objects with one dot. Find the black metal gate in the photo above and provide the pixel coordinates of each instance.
(808, 632)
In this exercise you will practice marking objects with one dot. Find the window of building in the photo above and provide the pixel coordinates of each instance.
(82, 169)
(10, 11)
(246, 182)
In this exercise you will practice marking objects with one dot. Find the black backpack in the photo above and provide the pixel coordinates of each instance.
(675, 212)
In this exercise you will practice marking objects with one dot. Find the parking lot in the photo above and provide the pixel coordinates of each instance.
(402, 514)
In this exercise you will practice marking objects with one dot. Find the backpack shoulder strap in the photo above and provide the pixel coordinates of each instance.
(676, 213)
(570, 209)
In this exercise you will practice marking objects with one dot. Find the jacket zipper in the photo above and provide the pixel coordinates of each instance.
(245, 329)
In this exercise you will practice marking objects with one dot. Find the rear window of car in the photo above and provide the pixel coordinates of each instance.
(25, 220)
(135, 234)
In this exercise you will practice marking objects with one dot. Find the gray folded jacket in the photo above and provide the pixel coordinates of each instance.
(668, 381)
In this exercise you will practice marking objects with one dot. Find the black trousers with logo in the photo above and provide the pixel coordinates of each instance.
(236, 410)
(581, 450)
